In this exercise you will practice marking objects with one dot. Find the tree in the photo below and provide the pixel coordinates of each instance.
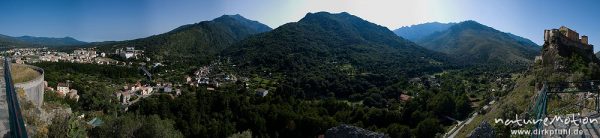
(463, 107)
(442, 104)
(59, 127)
(428, 128)
(245, 134)
(76, 128)
(66, 126)
(154, 127)
(398, 131)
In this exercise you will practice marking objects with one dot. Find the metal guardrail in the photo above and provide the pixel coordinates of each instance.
(540, 109)
(17, 125)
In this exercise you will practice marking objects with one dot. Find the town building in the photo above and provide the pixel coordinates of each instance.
(62, 88)
(262, 92)
(73, 95)
(128, 52)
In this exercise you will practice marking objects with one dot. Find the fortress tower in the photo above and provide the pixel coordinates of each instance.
(584, 39)
(562, 43)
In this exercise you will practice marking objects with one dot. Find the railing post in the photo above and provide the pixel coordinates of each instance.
(17, 125)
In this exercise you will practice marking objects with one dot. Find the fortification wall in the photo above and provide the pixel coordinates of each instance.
(558, 46)
(34, 89)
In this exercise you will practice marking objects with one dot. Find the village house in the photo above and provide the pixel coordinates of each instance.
(168, 88)
(73, 95)
(62, 88)
(145, 90)
(404, 98)
(262, 92)
(188, 79)
(128, 52)
(125, 96)
(178, 92)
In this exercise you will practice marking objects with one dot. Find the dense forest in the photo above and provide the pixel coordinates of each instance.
(234, 109)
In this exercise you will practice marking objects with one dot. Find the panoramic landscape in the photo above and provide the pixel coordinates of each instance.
(283, 68)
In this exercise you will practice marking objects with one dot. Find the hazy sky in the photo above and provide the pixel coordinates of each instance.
(103, 20)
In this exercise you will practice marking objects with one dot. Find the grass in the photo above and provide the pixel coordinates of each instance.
(521, 96)
(23, 74)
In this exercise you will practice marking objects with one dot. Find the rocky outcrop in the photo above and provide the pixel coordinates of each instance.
(348, 131)
(558, 46)
(484, 130)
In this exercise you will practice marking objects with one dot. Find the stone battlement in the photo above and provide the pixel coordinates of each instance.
(566, 32)
(564, 42)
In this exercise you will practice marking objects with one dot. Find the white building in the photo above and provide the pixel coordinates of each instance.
(128, 52)
(262, 92)
(62, 89)
(126, 55)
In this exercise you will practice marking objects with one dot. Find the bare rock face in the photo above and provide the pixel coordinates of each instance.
(348, 131)
(484, 130)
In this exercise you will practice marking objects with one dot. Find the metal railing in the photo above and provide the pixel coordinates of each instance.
(540, 109)
(17, 125)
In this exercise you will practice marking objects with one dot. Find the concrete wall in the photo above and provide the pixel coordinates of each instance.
(34, 89)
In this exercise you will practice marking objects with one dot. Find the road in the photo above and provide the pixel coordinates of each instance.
(461, 124)
(455, 131)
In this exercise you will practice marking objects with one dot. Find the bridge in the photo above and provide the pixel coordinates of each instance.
(585, 90)
(11, 122)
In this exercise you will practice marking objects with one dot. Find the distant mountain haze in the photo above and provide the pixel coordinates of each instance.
(418, 31)
(470, 41)
(31, 41)
(51, 41)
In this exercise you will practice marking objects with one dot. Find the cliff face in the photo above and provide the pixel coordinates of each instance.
(558, 47)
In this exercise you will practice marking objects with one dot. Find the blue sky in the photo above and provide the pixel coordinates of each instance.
(105, 20)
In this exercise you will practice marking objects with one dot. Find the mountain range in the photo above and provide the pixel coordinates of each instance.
(194, 43)
(472, 42)
(415, 32)
(31, 41)
(329, 37)
(323, 37)
(324, 52)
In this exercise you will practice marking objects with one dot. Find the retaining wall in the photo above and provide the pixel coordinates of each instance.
(34, 89)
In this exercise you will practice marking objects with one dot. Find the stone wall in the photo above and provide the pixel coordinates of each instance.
(34, 89)
(571, 34)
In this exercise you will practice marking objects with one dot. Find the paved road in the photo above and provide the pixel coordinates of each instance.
(4, 118)
(460, 125)
(463, 124)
